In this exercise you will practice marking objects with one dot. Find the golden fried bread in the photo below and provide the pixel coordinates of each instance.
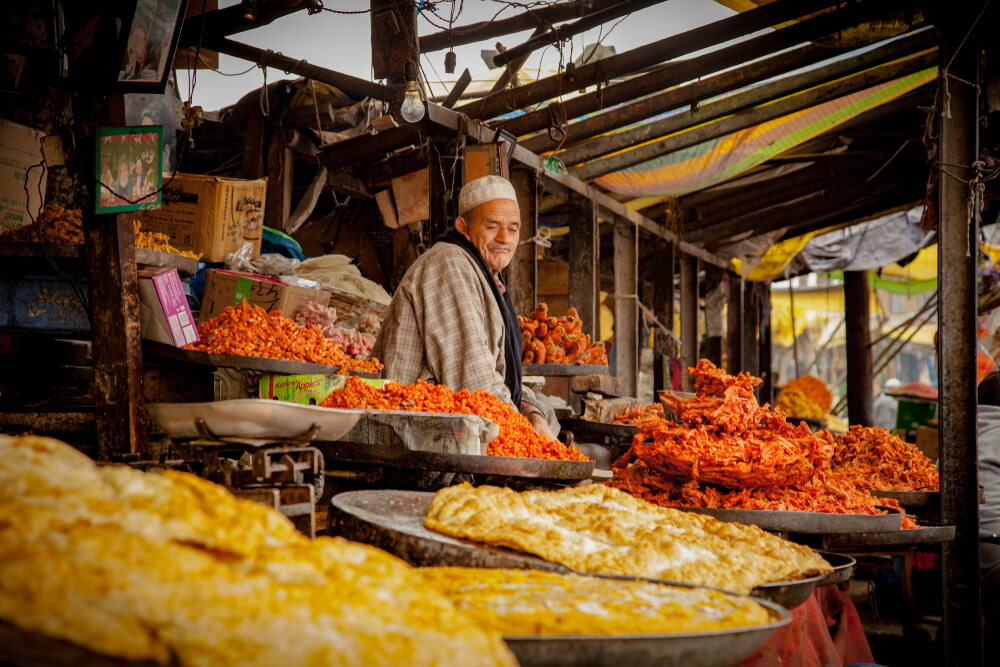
(173, 569)
(600, 529)
(529, 602)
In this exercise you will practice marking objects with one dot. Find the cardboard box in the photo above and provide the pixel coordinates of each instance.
(20, 148)
(163, 308)
(305, 389)
(226, 288)
(210, 215)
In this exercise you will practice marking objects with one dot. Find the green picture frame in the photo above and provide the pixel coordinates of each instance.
(129, 169)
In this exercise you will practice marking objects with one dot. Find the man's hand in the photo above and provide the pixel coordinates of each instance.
(540, 425)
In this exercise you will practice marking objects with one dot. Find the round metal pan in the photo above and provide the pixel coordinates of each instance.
(504, 466)
(718, 648)
(252, 418)
(563, 370)
(911, 499)
(394, 521)
(843, 569)
(20, 647)
(890, 541)
(807, 522)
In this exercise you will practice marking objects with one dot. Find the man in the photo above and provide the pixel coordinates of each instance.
(451, 320)
(887, 407)
(988, 450)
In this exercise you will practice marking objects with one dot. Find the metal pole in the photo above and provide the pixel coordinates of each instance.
(860, 409)
(957, 251)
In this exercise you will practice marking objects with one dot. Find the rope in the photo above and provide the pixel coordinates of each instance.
(541, 238)
(946, 74)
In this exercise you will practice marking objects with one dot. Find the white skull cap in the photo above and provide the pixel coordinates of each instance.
(482, 190)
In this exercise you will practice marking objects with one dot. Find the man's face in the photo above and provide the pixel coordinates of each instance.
(494, 228)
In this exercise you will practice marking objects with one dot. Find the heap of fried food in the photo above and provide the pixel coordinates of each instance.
(794, 403)
(873, 458)
(600, 530)
(171, 569)
(558, 340)
(158, 241)
(517, 437)
(730, 452)
(519, 603)
(814, 390)
(250, 331)
(55, 224)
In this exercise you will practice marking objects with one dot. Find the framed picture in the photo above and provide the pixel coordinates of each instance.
(149, 40)
(129, 168)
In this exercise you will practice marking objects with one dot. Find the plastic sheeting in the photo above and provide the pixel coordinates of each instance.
(867, 246)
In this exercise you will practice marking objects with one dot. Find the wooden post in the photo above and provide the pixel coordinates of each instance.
(689, 317)
(958, 250)
(734, 323)
(280, 172)
(109, 243)
(585, 266)
(751, 314)
(663, 309)
(522, 275)
(253, 146)
(394, 38)
(766, 373)
(712, 345)
(626, 266)
(860, 409)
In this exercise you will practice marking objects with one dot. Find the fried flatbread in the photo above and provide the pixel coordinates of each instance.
(600, 529)
(529, 602)
(173, 569)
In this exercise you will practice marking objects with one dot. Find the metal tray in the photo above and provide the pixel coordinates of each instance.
(252, 418)
(394, 521)
(166, 352)
(505, 466)
(806, 522)
(183, 264)
(913, 499)
(718, 648)
(890, 541)
(613, 434)
(563, 370)
(843, 569)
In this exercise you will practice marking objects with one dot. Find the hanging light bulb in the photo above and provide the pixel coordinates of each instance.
(412, 109)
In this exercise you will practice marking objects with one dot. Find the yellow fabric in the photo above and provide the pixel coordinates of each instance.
(778, 256)
(812, 308)
(924, 267)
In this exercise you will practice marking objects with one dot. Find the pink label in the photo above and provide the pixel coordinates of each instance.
(170, 293)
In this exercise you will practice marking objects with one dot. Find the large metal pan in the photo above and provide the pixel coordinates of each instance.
(252, 418)
(807, 522)
(843, 569)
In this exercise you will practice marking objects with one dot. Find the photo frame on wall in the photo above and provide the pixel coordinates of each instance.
(129, 168)
(148, 42)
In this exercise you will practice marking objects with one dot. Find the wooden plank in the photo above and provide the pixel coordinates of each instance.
(253, 146)
(522, 274)
(860, 409)
(584, 267)
(689, 317)
(751, 351)
(563, 370)
(608, 385)
(663, 309)
(280, 170)
(766, 372)
(712, 344)
(734, 323)
(626, 273)
(109, 241)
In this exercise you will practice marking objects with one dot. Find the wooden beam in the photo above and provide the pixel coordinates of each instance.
(714, 295)
(663, 308)
(253, 146)
(584, 266)
(367, 146)
(632, 61)
(350, 85)
(734, 323)
(689, 317)
(109, 243)
(746, 118)
(750, 353)
(509, 73)
(964, 29)
(626, 263)
(542, 17)
(857, 313)
(698, 91)
(566, 32)
(765, 393)
(522, 274)
(566, 186)
(230, 21)
(280, 171)
(456, 92)
(754, 96)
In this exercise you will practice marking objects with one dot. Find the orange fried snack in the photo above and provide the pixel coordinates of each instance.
(250, 331)
(814, 390)
(558, 340)
(517, 438)
(873, 458)
(55, 224)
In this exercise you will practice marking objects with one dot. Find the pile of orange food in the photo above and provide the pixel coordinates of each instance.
(56, 224)
(558, 340)
(157, 241)
(873, 458)
(517, 438)
(726, 451)
(813, 390)
(250, 331)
